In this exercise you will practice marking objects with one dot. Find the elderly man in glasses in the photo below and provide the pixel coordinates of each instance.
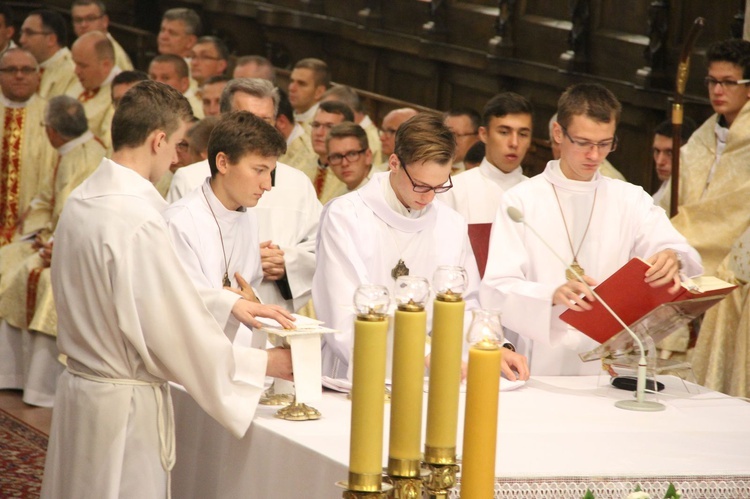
(390, 227)
(596, 224)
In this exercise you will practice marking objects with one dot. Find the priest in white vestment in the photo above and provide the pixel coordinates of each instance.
(44, 34)
(594, 223)
(506, 132)
(129, 321)
(392, 221)
(28, 322)
(214, 232)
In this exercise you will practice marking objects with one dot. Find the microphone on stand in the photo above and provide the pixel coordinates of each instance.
(639, 404)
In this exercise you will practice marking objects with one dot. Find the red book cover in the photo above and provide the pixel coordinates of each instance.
(631, 298)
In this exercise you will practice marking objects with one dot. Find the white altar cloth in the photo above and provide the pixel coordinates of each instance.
(557, 437)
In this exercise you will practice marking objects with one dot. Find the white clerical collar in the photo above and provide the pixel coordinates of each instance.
(72, 144)
(491, 171)
(307, 116)
(396, 205)
(297, 131)
(55, 57)
(366, 121)
(111, 76)
(381, 199)
(554, 175)
(217, 207)
(13, 104)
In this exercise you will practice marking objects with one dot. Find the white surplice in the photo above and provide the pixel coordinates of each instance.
(288, 216)
(130, 320)
(361, 238)
(477, 193)
(522, 274)
(203, 242)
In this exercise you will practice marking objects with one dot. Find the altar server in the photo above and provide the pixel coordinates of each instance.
(390, 226)
(129, 321)
(215, 234)
(595, 223)
(506, 131)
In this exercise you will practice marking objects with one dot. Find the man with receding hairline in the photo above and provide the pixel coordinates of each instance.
(254, 66)
(94, 58)
(389, 127)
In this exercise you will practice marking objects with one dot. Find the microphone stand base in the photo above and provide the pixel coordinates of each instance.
(645, 406)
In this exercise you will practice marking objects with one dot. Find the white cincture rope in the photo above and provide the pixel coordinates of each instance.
(165, 416)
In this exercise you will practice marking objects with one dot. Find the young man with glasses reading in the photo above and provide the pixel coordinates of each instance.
(595, 223)
(391, 226)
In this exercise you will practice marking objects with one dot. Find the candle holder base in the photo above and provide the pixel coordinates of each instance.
(407, 487)
(441, 478)
(298, 412)
(271, 397)
(385, 492)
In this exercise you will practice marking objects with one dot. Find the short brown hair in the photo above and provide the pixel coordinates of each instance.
(425, 137)
(319, 69)
(240, 133)
(588, 99)
(177, 62)
(348, 129)
(148, 106)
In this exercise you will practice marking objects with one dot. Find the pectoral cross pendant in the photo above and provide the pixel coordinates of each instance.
(225, 281)
(399, 270)
(575, 266)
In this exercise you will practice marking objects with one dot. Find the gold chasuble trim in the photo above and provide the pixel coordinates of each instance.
(10, 171)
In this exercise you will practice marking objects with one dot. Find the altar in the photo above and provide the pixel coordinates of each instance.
(557, 437)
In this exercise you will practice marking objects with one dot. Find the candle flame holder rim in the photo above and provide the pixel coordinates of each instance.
(449, 296)
(411, 306)
(372, 316)
(486, 344)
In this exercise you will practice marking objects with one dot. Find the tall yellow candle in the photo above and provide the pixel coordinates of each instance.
(368, 396)
(480, 421)
(368, 390)
(445, 380)
(409, 333)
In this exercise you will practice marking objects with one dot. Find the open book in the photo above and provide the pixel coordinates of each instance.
(635, 300)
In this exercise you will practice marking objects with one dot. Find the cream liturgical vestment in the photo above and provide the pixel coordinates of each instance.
(288, 216)
(130, 320)
(476, 193)
(721, 359)
(608, 170)
(58, 75)
(522, 274)
(26, 301)
(122, 59)
(361, 239)
(373, 139)
(203, 242)
(713, 201)
(26, 159)
(299, 152)
(98, 105)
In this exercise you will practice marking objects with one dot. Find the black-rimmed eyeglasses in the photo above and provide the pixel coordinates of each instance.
(423, 188)
(335, 159)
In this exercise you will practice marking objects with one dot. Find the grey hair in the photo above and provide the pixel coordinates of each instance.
(66, 116)
(257, 87)
(189, 18)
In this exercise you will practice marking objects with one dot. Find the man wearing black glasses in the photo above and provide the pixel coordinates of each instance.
(349, 154)
(596, 224)
(390, 227)
(45, 35)
(713, 213)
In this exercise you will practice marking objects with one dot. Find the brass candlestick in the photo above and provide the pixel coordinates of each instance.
(270, 397)
(406, 476)
(361, 486)
(441, 478)
(297, 411)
